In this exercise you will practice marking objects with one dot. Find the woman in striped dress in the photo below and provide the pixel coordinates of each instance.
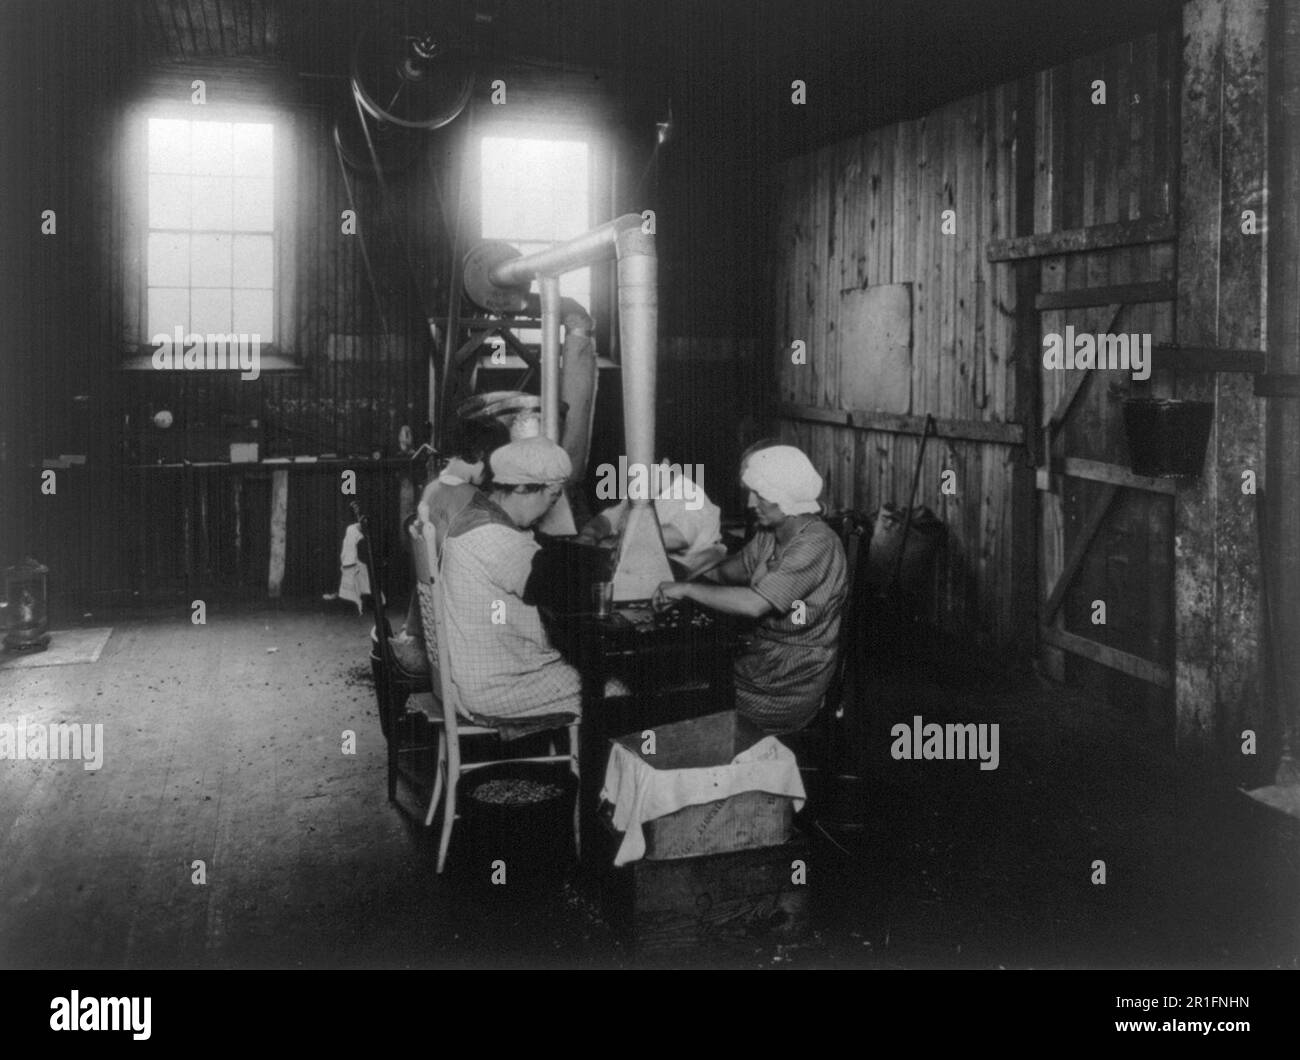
(792, 578)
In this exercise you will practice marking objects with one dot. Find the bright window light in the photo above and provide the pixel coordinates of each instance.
(533, 193)
(210, 253)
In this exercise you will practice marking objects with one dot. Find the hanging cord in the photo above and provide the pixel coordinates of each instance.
(385, 198)
(453, 229)
(453, 287)
(361, 232)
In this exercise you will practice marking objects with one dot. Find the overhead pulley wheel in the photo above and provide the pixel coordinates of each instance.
(420, 81)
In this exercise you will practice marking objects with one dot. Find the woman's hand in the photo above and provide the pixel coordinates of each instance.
(595, 532)
(669, 593)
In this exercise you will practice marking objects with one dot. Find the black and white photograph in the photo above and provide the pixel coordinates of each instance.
(594, 485)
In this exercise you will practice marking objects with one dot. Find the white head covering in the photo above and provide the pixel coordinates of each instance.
(530, 461)
(525, 424)
(783, 475)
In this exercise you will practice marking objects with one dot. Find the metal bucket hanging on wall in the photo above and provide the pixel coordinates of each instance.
(29, 627)
(1167, 437)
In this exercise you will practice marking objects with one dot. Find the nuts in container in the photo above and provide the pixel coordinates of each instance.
(516, 791)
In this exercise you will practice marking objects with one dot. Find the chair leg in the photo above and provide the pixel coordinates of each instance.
(577, 797)
(381, 694)
(449, 811)
(439, 772)
(394, 742)
(397, 721)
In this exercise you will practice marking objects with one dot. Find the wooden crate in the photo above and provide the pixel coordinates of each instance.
(719, 899)
(743, 821)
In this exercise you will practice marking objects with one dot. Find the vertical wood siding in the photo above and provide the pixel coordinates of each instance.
(869, 211)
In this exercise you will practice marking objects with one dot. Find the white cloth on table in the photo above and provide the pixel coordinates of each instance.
(641, 793)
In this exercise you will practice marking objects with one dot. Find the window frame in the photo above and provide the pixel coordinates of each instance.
(597, 189)
(283, 219)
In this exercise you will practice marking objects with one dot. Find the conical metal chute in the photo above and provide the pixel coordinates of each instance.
(642, 560)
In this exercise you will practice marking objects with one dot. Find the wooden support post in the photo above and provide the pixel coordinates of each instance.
(1282, 414)
(237, 504)
(1200, 198)
(279, 526)
(1026, 374)
(1049, 208)
(1216, 671)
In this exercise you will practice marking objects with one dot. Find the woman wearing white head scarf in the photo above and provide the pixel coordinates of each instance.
(502, 663)
(792, 578)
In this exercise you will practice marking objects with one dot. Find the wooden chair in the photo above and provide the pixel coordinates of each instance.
(451, 727)
(817, 739)
(394, 684)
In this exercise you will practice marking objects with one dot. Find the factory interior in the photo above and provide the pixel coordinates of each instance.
(690, 483)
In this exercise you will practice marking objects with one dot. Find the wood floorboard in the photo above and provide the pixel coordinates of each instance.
(217, 750)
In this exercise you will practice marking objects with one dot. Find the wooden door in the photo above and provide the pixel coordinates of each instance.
(1101, 260)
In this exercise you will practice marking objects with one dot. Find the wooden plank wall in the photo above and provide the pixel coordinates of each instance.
(868, 211)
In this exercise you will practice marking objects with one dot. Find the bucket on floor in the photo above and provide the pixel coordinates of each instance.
(515, 835)
(1167, 437)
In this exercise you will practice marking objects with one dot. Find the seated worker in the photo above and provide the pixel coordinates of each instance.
(502, 664)
(691, 523)
(792, 577)
(445, 494)
(455, 485)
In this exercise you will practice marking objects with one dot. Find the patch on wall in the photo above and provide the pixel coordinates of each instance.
(875, 327)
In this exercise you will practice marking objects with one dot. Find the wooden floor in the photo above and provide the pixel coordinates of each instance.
(220, 750)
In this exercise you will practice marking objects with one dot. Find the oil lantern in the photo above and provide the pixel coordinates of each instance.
(29, 627)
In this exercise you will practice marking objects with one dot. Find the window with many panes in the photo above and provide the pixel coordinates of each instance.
(534, 192)
(210, 256)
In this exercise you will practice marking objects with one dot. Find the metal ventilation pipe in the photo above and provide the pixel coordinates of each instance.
(642, 560)
(578, 384)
